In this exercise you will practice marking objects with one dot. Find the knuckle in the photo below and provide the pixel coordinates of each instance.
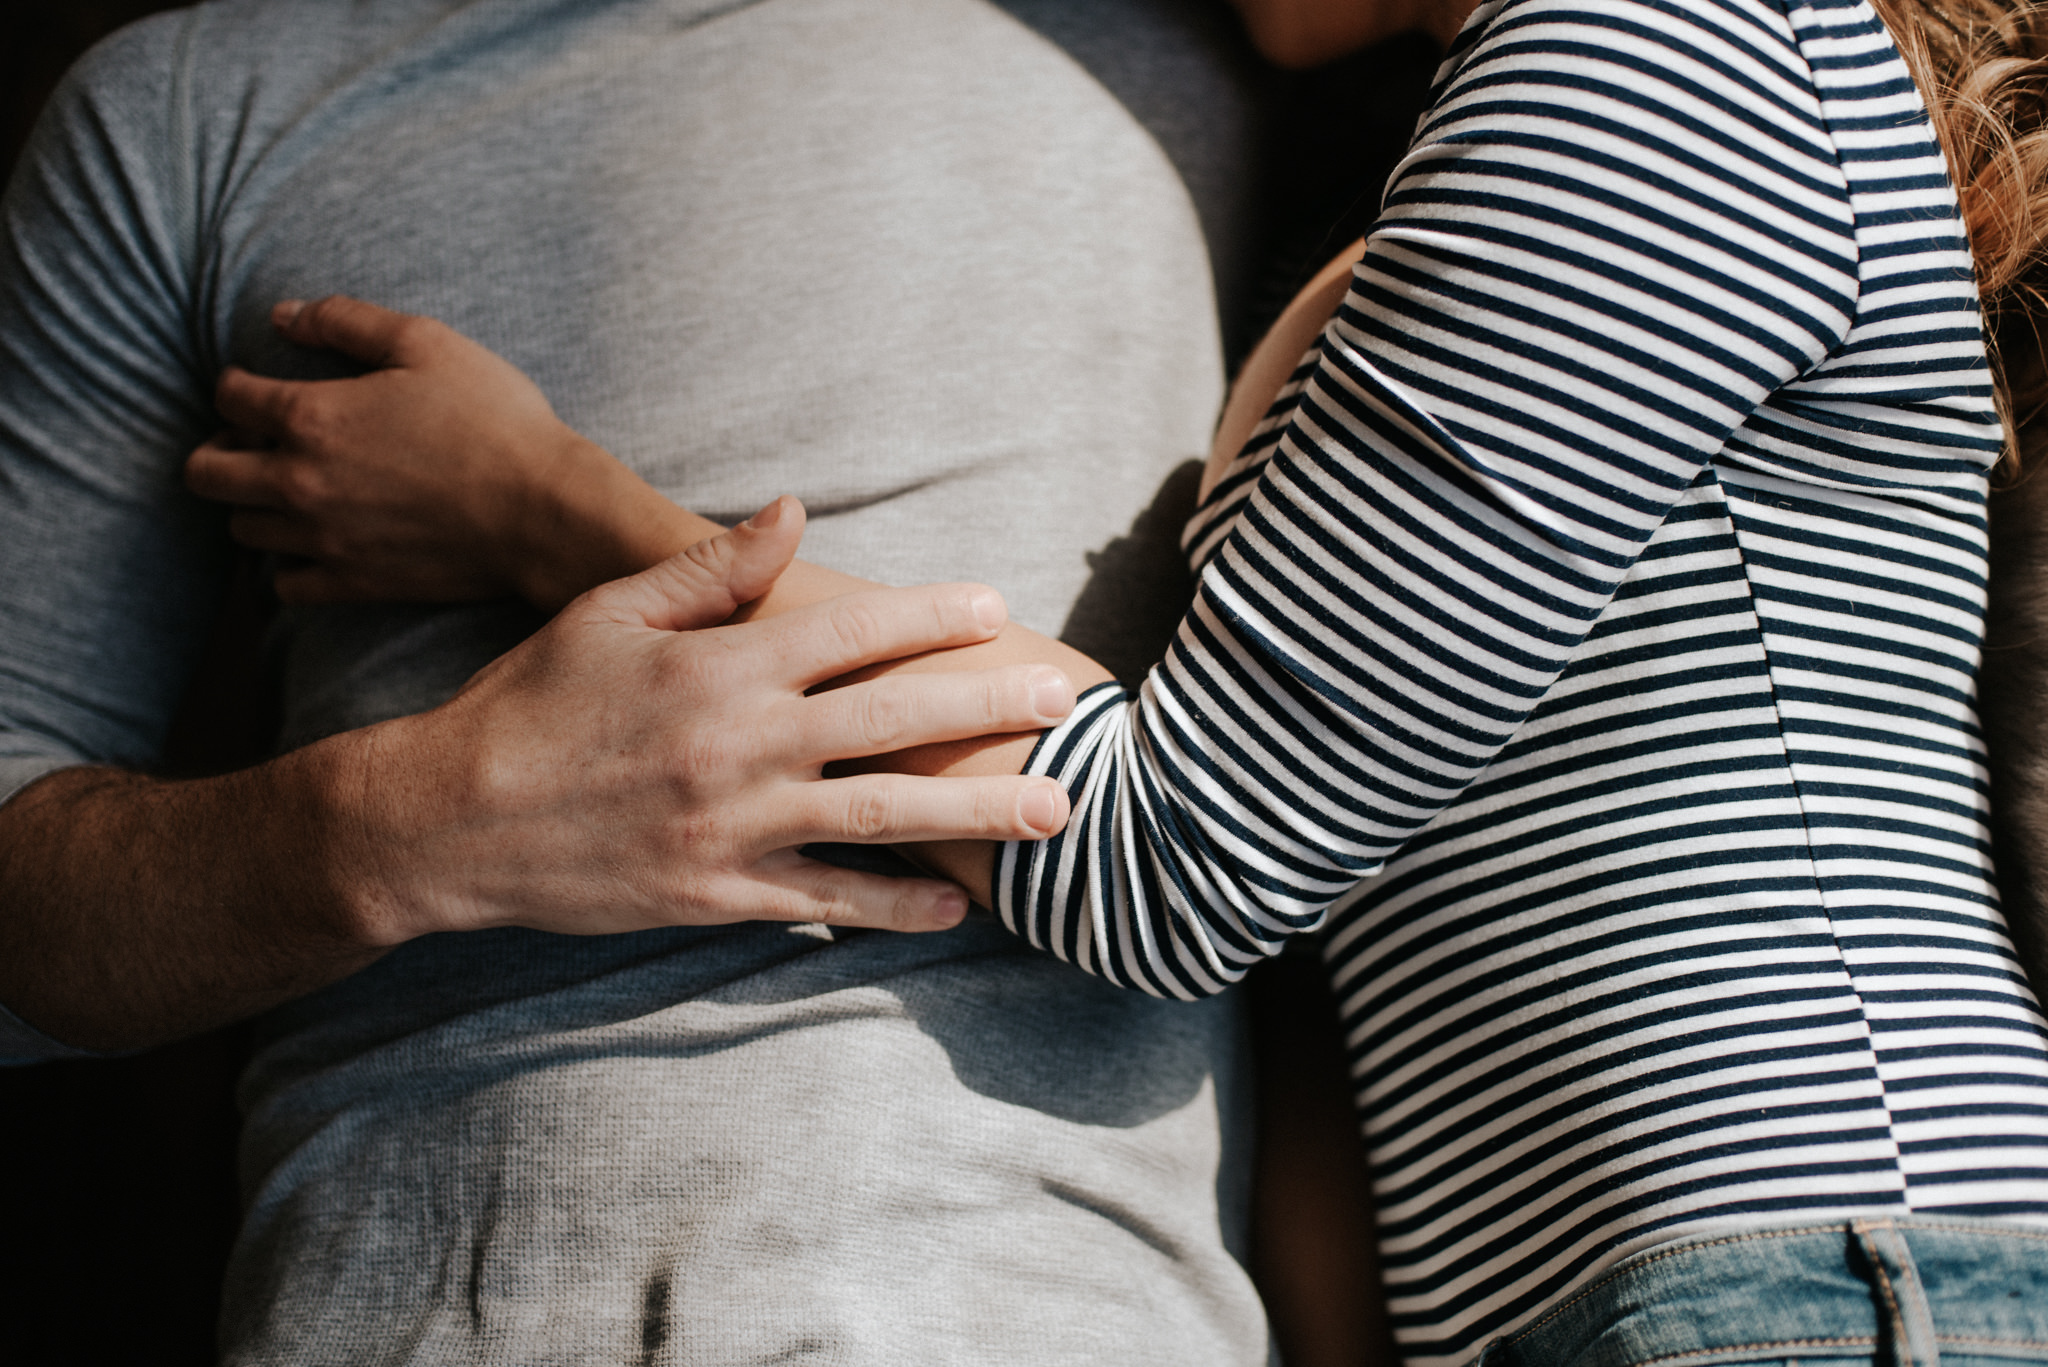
(996, 809)
(331, 544)
(881, 718)
(831, 904)
(199, 471)
(301, 485)
(321, 315)
(302, 415)
(693, 754)
(910, 907)
(713, 555)
(857, 628)
(409, 330)
(1004, 700)
(430, 332)
(870, 814)
(952, 609)
(956, 611)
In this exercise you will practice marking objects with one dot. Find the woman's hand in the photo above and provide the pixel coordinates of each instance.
(444, 474)
(441, 475)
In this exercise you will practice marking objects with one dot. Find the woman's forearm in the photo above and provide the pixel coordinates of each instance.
(603, 521)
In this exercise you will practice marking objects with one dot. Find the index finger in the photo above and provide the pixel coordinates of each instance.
(822, 641)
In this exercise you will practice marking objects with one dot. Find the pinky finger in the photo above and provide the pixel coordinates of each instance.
(793, 888)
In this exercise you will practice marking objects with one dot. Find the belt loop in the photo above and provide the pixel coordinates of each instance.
(1901, 1298)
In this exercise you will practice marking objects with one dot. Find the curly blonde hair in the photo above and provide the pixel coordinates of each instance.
(1982, 68)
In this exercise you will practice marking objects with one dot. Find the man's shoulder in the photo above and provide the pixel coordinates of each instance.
(141, 53)
(228, 61)
(123, 81)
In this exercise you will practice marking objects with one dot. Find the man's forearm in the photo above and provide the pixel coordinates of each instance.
(138, 909)
(632, 765)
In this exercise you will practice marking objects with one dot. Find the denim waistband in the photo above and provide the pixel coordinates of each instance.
(1904, 1291)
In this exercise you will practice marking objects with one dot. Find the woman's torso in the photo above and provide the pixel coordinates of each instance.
(1714, 942)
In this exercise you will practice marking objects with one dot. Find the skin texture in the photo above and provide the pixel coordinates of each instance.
(632, 764)
(222, 923)
(444, 473)
(181, 937)
(1313, 1243)
(234, 893)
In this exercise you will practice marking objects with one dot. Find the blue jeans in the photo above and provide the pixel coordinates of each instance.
(1898, 1291)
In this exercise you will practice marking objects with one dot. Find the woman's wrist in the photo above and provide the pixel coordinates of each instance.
(592, 520)
(584, 518)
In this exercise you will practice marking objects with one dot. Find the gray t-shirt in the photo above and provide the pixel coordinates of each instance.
(906, 258)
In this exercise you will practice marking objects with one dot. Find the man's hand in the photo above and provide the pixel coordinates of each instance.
(621, 771)
(616, 771)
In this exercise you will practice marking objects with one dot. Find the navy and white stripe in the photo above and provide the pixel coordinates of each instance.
(1585, 642)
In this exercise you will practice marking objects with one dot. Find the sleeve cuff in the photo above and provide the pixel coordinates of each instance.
(22, 1043)
(18, 771)
(1066, 754)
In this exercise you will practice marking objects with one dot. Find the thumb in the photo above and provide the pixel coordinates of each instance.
(367, 332)
(705, 584)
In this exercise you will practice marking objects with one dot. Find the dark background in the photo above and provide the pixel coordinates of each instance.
(117, 1198)
(117, 1201)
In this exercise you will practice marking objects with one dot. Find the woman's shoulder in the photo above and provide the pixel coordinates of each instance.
(1643, 26)
(1697, 68)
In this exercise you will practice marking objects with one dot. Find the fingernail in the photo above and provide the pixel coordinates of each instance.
(989, 610)
(1052, 697)
(949, 906)
(767, 517)
(1038, 808)
(285, 310)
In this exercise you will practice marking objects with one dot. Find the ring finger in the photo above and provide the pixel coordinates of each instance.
(903, 710)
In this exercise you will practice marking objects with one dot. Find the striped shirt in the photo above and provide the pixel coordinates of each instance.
(1584, 645)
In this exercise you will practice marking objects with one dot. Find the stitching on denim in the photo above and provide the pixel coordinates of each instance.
(1588, 1290)
(1913, 1222)
(1891, 1297)
(1907, 1222)
(1857, 1341)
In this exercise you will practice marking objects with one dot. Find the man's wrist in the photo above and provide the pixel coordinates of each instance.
(364, 821)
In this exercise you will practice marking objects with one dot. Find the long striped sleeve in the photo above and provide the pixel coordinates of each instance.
(1621, 228)
(1586, 643)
